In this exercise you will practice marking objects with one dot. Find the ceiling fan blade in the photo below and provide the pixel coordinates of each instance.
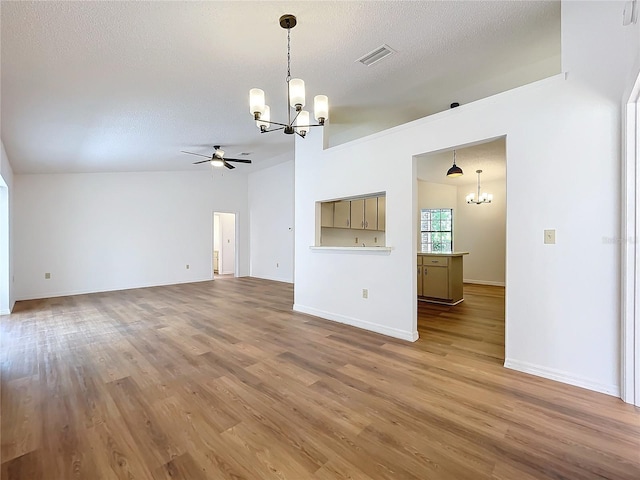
(199, 154)
(201, 161)
(228, 165)
(241, 160)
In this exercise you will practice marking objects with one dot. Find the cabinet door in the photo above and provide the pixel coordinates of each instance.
(382, 212)
(342, 214)
(420, 280)
(371, 213)
(357, 214)
(435, 282)
(326, 214)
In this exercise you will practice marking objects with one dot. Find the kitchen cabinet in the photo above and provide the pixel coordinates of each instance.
(442, 277)
(326, 214)
(364, 214)
(382, 212)
(342, 214)
(419, 283)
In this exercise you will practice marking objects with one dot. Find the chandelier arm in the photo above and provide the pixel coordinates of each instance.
(310, 125)
(272, 130)
(294, 118)
(278, 123)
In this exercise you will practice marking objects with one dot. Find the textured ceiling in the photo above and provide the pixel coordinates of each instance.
(490, 157)
(124, 86)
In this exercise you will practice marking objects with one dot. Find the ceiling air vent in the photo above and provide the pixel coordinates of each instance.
(376, 55)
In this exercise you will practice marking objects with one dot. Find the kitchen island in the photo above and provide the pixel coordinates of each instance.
(440, 277)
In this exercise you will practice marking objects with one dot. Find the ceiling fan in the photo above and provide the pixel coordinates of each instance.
(217, 159)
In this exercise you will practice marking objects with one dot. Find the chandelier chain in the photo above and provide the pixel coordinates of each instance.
(288, 54)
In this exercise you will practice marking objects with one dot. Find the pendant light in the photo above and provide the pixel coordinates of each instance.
(484, 198)
(454, 171)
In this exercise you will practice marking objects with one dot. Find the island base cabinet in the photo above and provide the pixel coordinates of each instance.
(435, 282)
(441, 278)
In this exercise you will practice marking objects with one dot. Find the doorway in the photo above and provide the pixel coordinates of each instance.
(224, 245)
(630, 298)
(465, 230)
(5, 307)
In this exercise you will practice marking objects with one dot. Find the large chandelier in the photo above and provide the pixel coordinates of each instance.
(295, 98)
(484, 198)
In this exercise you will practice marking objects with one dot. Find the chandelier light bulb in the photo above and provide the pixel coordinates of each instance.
(302, 123)
(296, 93)
(321, 108)
(256, 102)
(263, 123)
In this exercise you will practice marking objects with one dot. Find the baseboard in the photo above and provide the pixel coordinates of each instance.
(354, 322)
(38, 296)
(484, 282)
(561, 376)
(274, 279)
(5, 311)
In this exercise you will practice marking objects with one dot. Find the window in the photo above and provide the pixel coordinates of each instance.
(436, 229)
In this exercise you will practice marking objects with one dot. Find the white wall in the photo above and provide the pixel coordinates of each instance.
(271, 222)
(562, 300)
(7, 294)
(110, 231)
(481, 230)
(227, 255)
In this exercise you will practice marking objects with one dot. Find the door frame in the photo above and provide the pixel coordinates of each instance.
(630, 281)
(235, 243)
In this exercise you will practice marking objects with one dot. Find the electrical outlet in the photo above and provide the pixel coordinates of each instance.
(187, 266)
(47, 276)
(550, 237)
(365, 293)
(277, 265)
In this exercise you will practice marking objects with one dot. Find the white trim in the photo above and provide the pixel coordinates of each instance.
(629, 235)
(561, 376)
(355, 322)
(273, 279)
(5, 312)
(440, 302)
(484, 282)
(382, 250)
(39, 296)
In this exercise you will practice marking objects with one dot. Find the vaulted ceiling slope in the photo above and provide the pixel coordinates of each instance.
(124, 86)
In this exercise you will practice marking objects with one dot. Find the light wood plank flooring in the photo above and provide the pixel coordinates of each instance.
(221, 380)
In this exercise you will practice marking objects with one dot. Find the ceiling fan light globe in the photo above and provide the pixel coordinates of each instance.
(217, 162)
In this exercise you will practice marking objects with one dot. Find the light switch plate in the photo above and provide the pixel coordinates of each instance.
(550, 237)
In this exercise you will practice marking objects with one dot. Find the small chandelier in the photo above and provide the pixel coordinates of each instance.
(484, 198)
(295, 98)
(454, 171)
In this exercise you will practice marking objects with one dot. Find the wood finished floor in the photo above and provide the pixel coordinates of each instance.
(221, 380)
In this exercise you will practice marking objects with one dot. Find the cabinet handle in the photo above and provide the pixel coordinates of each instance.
(434, 261)
(419, 269)
(366, 224)
(347, 222)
